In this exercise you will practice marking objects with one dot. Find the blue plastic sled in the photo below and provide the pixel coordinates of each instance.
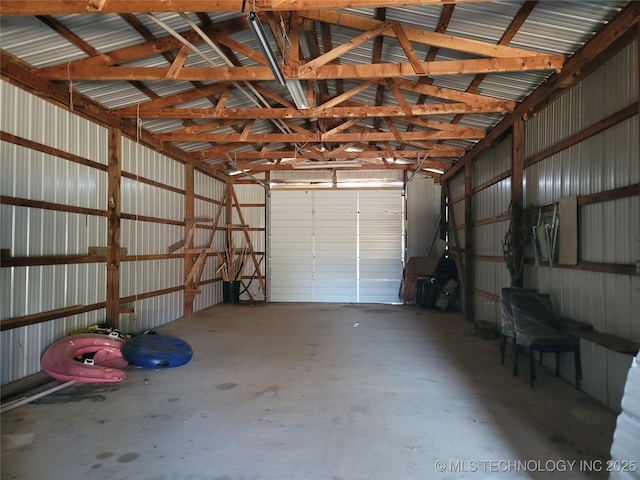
(157, 351)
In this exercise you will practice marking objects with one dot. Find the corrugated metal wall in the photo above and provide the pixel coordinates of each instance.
(210, 188)
(32, 175)
(150, 236)
(456, 210)
(252, 202)
(423, 199)
(487, 204)
(153, 206)
(608, 231)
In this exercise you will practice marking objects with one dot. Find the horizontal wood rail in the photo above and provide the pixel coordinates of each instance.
(17, 322)
(58, 207)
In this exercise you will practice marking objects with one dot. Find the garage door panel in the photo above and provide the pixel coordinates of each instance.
(340, 246)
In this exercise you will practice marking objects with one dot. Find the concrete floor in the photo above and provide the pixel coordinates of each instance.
(322, 392)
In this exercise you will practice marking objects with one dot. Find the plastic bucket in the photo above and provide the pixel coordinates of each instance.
(231, 292)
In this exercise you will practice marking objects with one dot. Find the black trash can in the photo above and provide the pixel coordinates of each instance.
(231, 292)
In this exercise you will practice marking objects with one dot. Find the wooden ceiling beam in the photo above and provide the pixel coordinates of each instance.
(302, 136)
(354, 111)
(77, 71)
(435, 39)
(343, 48)
(251, 156)
(435, 150)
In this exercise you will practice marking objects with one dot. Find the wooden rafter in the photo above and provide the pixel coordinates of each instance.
(335, 112)
(363, 71)
(434, 150)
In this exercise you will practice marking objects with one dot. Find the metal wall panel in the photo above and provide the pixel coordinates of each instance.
(603, 300)
(211, 295)
(456, 185)
(609, 231)
(291, 247)
(38, 176)
(335, 246)
(144, 276)
(140, 276)
(487, 239)
(142, 199)
(207, 186)
(490, 276)
(599, 163)
(492, 201)
(22, 347)
(493, 162)
(487, 311)
(380, 245)
(423, 199)
(33, 175)
(255, 217)
(609, 89)
(148, 238)
(153, 312)
(35, 232)
(146, 163)
(212, 188)
(35, 119)
(30, 290)
(456, 216)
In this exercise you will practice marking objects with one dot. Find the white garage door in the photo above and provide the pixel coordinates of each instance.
(336, 246)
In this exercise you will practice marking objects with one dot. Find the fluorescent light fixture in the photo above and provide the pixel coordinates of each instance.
(237, 172)
(294, 86)
(352, 149)
(260, 34)
(298, 94)
(434, 170)
(326, 164)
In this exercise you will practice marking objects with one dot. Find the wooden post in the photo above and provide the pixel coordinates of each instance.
(468, 242)
(517, 178)
(113, 232)
(444, 208)
(189, 294)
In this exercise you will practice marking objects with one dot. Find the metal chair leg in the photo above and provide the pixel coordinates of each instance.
(532, 368)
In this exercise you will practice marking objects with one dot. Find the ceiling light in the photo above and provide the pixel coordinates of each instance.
(298, 95)
(294, 86)
(260, 34)
(326, 164)
(434, 170)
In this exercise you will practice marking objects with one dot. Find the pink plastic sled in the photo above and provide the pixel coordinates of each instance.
(108, 363)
